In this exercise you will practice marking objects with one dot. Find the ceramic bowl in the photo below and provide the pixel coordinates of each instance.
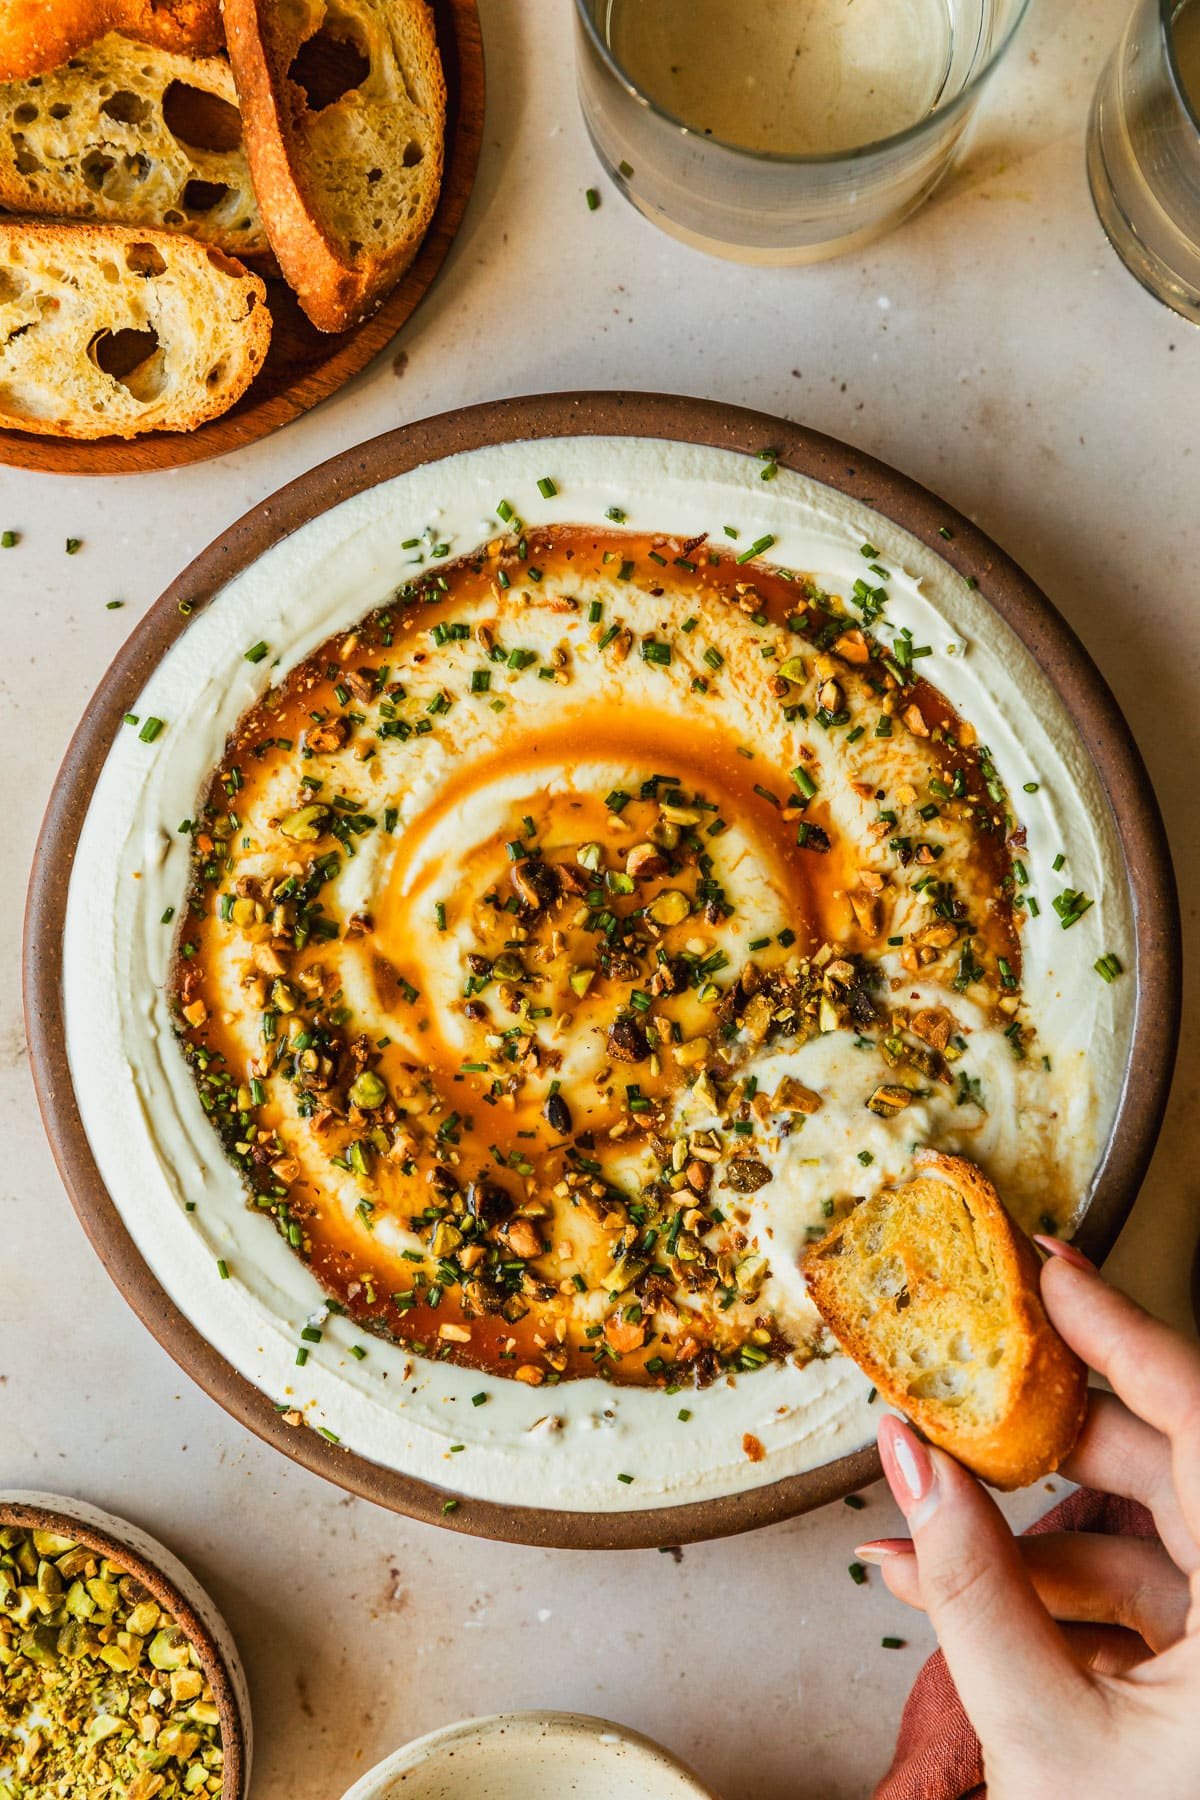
(176, 1590)
(1143, 867)
(531, 1756)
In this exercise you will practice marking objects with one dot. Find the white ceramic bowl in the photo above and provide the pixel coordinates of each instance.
(531, 1756)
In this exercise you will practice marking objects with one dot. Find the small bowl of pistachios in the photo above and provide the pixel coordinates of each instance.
(117, 1673)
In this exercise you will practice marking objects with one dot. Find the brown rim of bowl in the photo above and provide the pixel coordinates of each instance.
(32, 1517)
(1012, 594)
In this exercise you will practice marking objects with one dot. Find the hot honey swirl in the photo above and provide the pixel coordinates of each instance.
(459, 1094)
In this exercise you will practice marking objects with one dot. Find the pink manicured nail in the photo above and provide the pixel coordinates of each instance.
(909, 1470)
(1065, 1252)
(880, 1550)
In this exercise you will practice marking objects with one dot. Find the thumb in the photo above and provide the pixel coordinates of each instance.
(1000, 1643)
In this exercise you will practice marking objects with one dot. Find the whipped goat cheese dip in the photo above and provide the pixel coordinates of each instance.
(450, 759)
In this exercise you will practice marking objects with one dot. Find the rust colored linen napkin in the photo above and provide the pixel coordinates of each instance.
(937, 1753)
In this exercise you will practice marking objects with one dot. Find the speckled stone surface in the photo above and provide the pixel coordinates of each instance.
(994, 349)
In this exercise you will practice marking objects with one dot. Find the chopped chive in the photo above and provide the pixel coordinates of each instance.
(151, 729)
(1109, 966)
(1058, 862)
(479, 1399)
(450, 1506)
(546, 488)
(1070, 906)
(804, 781)
(331, 1435)
(113, 605)
(592, 198)
(625, 1478)
(892, 1643)
(9, 539)
(854, 1501)
(1031, 787)
(222, 1268)
(757, 547)
(616, 515)
(625, 169)
(301, 1357)
(857, 1573)
(73, 545)
(256, 652)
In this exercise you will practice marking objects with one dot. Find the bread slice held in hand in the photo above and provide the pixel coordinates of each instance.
(344, 104)
(108, 331)
(36, 35)
(134, 135)
(934, 1292)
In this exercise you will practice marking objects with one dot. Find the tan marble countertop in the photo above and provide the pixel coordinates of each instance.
(994, 349)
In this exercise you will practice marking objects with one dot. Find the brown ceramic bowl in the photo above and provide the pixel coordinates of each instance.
(1082, 690)
(176, 1590)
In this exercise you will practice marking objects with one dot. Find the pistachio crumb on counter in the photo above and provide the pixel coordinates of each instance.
(101, 1690)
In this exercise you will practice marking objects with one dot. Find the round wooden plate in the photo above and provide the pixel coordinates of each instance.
(1047, 637)
(304, 366)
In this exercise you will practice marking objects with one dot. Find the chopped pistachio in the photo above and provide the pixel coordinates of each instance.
(103, 1695)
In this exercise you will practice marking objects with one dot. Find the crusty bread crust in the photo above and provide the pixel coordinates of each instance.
(110, 331)
(1025, 1400)
(134, 135)
(347, 190)
(37, 35)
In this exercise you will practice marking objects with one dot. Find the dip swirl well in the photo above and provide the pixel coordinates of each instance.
(566, 943)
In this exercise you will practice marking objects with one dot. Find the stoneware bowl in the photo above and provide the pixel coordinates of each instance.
(1145, 868)
(531, 1756)
(176, 1590)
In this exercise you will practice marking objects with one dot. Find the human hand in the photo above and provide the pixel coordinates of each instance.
(1108, 1704)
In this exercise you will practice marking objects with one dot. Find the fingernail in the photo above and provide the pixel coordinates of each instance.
(1067, 1253)
(909, 1470)
(879, 1550)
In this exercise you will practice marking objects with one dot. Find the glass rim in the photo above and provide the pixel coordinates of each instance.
(803, 159)
(1167, 10)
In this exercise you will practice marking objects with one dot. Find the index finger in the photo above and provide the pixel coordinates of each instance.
(1153, 1369)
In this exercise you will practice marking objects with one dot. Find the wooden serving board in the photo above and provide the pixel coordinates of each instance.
(304, 366)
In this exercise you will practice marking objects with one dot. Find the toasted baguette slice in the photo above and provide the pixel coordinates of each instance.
(133, 135)
(106, 331)
(934, 1292)
(345, 111)
(36, 35)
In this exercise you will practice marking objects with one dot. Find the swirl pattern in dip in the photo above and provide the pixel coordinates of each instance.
(568, 921)
(548, 928)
